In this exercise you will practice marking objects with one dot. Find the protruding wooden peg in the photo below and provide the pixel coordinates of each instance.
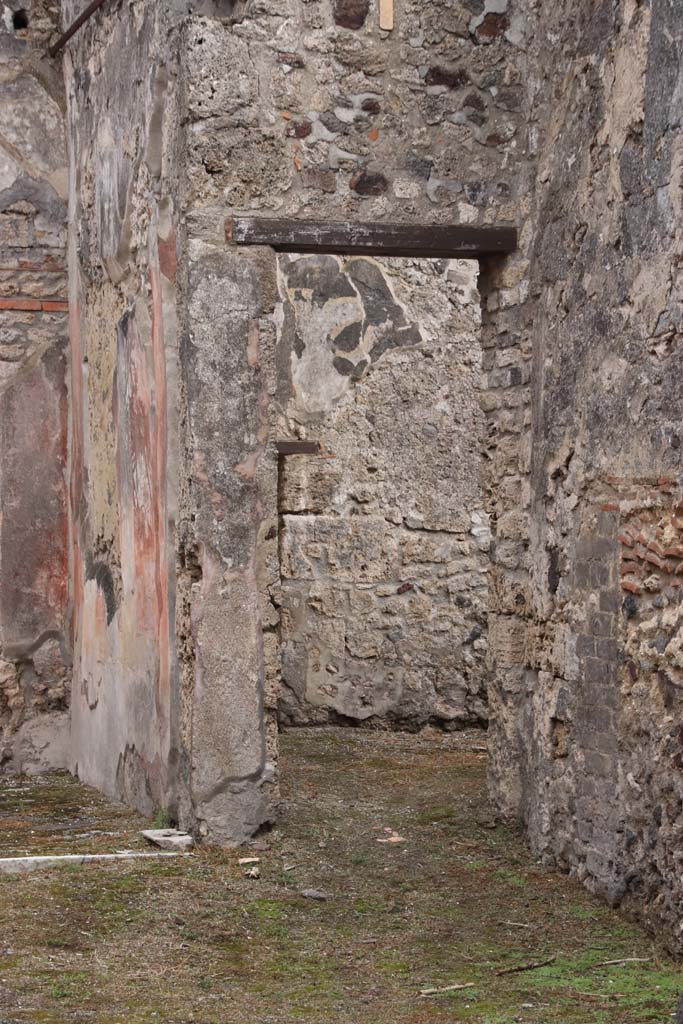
(386, 14)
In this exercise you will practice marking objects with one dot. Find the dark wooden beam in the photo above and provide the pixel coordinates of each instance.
(297, 447)
(74, 27)
(436, 241)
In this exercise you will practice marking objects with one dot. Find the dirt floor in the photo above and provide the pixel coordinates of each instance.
(457, 901)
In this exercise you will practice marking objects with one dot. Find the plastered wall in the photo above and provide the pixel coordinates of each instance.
(383, 537)
(35, 648)
(124, 405)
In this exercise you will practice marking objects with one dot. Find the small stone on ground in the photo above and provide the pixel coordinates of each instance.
(169, 838)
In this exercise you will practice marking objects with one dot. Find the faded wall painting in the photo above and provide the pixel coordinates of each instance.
(382, 535)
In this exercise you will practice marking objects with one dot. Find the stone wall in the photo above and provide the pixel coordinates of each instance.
(301, 109)
(594, 722)
(306, 109)
(507, 322)
(228, 519)
(310, 109)
(34, 621)
(382, 536)
(562, 118)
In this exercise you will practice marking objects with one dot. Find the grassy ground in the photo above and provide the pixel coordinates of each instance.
(194, 940)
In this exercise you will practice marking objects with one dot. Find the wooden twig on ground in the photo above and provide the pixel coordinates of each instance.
(515, 924)
(624, 960)
(447, 988)
(535, 966)
(597, 996)
(526, 967)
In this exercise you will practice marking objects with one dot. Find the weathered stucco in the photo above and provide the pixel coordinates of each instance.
(122, 271)
(232, 773)
(383, 536)
(34, 623)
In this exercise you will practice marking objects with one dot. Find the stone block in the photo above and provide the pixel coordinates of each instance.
(169, 839)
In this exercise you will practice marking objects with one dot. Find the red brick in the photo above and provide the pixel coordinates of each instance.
(368, 183)
(351, 13)
(35, 305)
(299, 129)
(493, 26)
(32, 305)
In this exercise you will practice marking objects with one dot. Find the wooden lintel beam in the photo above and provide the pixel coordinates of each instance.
(436, 241)
(294, 447)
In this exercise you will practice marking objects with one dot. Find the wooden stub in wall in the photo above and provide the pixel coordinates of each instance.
(436, 241)
(294, 447)
(386, 14)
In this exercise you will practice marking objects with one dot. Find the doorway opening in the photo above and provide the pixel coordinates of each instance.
(383, 533)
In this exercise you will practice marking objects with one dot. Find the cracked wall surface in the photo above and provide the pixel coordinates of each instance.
(35, 649)
(383, 537)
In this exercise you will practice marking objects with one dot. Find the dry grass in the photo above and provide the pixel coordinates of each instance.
(194, 940)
